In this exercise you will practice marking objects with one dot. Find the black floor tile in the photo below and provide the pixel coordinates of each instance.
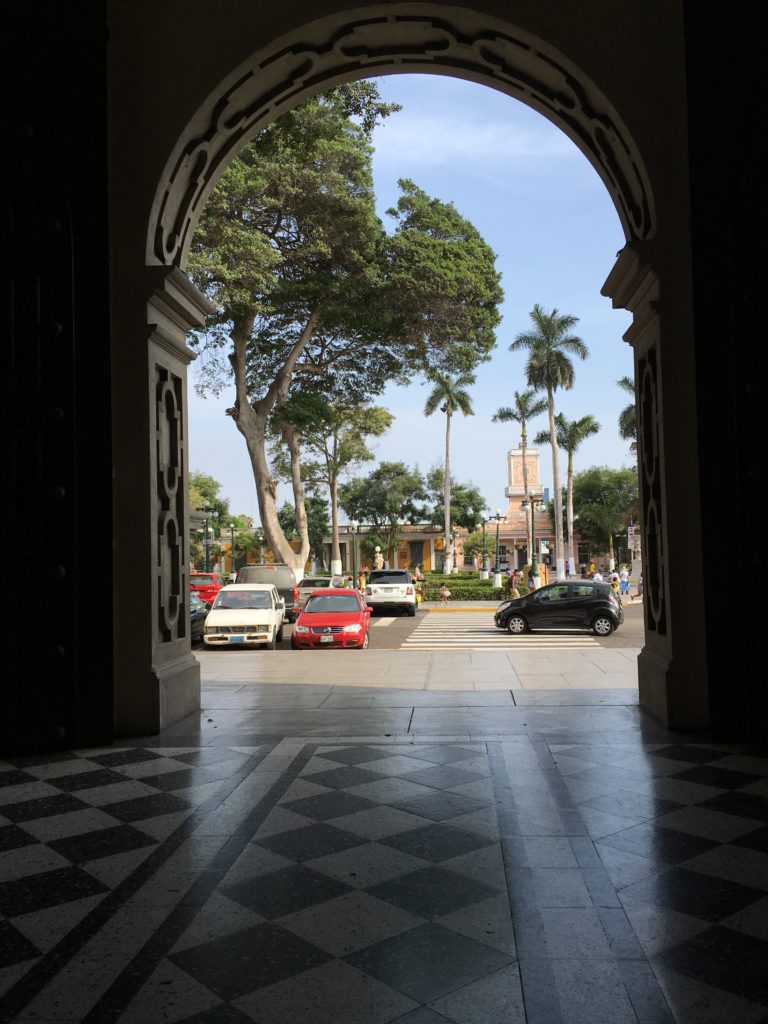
(432, 892)
(15, 948)
(146, 807)
(33, 760)
(356, 755)
(284, 892)
(726, 959)
(101, 843)
(182, 779)
(437, 842)
(711, 775)
(744, 805)
(443, 777)
(224, 1013)
(135, 755)
(15, 777)
(48, 889)
(329, 805)
(687, 752)
(86, 780)
(12, 838)
(657, 843)
(627, 804)
(429, 961)
(43, 807)
(697, 895)
(757, 840)
(310, 842)
(342, 778)
(422, 1016)
(441, 805)
(211, 756)
(248, 960)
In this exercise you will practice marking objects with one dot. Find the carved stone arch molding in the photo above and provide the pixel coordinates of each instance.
(379, 40)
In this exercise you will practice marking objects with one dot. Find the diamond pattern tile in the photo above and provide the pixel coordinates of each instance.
(432, 891)
(436, 843)
(286, 891)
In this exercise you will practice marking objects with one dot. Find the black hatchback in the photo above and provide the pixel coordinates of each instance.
(576, 605)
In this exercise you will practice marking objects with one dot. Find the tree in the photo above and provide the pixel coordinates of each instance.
(449, 395)
(527, 406)
(605, 499)
(628, 415)
(570, 434)
(548, 368)
(332, 438)
(467, 503)
(203, 492)
(311, 291)
(318, 524)
(478, 543)
(388, 497)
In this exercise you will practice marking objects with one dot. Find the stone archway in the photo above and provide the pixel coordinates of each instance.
(427, 38)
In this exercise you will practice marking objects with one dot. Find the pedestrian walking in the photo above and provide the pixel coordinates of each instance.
(444, 594)
(624, 582)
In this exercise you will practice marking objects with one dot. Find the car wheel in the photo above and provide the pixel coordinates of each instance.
(280, 635)
(364, 645)
(411, 610)
(271, 645)
(516, 625)
(602, 625)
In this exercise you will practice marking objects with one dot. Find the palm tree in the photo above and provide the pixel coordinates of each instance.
(449, 395)
(525, 408)
(549, 344)
(570, 434)
(628, 416)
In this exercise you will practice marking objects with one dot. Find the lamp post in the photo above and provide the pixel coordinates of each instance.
(484, 572)
(496, 572)
(258, 539)
(232, 549)
(353, 526)
(206, 542)
(536, 506)
(455, 567)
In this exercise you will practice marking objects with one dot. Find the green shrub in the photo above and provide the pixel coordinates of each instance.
(467, 592)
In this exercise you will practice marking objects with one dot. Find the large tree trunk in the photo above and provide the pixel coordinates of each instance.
(448, 542)
(558, 498)
(300, 514)
(569, 514)
(251, 421)
(529, 510)
(335, 546)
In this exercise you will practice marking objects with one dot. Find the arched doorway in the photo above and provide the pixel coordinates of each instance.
(375, 41)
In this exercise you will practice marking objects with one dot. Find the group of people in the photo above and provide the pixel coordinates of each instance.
(620, 581)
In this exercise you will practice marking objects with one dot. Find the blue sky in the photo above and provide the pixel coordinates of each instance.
(540, 205)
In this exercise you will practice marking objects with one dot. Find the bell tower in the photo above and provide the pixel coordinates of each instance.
(515, 487)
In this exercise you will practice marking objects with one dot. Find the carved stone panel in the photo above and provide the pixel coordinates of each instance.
(651, 494)
(171, 572)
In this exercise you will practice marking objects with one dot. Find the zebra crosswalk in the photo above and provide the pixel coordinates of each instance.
(476, 631)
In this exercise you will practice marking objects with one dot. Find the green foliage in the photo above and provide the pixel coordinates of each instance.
(204, 491)
(604, 499)
(549, 345)
(570, 433)
(628, 415)
(393, 493)
(527, 406)
(480, 590)
(318, 522)
(478, 544)
(467, 503)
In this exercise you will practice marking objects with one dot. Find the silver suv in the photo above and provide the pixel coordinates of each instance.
(279, 575)
(391, 588)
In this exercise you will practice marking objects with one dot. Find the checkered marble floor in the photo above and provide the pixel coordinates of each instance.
(547, 877)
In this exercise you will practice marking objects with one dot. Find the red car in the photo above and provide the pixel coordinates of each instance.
(332, 618)
(206, 585)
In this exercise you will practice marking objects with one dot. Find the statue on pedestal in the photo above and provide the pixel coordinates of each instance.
(378, 558)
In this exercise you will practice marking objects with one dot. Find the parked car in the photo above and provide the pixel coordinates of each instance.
(391, 588)
(279, 575)
(332, 617)
(578, 605)
(206, 585)
(246, 615)
(310, 583)
(198, 612)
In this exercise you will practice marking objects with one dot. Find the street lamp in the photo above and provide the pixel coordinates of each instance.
(455, 567)
(484, 572)
(232, 529)
(536, 506)
(496, 572)
(354, 526)
(258, 540)
(206, 543)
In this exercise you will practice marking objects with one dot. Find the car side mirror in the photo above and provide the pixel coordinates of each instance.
(369, 608)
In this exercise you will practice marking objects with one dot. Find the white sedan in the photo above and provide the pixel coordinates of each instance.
(246, 615)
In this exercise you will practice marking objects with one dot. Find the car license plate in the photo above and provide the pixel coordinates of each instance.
(236, 639)
(326, 639)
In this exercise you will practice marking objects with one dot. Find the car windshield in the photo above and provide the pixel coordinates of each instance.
(332, 603)
(204, 581)
(242, 599)
(389, 577)
(323, 581)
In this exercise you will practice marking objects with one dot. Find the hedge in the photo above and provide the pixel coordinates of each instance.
(467, 593)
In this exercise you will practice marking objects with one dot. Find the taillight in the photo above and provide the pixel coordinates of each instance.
(408, 591)
(295, 594)
(368, 590)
